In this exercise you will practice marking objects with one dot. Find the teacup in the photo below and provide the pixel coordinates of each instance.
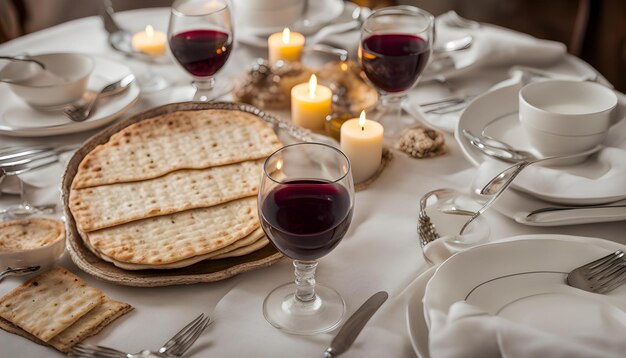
(565, 117)
(64, 80)
(266, 16)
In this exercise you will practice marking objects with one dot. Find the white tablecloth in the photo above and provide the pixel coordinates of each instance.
(380, 251)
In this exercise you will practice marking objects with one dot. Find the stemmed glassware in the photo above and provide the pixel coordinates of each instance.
(305, 203)
(396, 44)
(200, 35)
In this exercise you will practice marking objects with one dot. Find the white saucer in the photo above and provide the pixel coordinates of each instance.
(524, 278)
(495, 114)
(19, 120)
(319, 14)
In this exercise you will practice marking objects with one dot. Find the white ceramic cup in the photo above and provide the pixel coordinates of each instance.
(565, 117)
(266, 16)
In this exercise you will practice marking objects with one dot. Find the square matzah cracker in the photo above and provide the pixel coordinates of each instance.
(49, 303)
(88, 325)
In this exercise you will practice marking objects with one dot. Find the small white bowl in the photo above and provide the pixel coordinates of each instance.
(565, 117)
(63, 81)
(44, 256)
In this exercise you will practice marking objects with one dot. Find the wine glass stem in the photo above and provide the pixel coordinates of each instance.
(204, 89)
(24, 201)
(305, 280)
(392, 105)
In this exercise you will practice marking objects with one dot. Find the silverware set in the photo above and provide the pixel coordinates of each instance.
(176, 346)
(18, 160)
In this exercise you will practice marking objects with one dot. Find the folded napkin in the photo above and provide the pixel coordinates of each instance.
(467, 331)
(495, 46)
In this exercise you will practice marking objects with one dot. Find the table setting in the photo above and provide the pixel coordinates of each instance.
(291, 177)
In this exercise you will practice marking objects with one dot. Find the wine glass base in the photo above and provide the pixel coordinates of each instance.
(323, 314)
(395, 117)
(218, 90)
(21, 211)
(150, 83)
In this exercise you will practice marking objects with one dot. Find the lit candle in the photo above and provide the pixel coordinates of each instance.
(286, 46)
(149, 41)
(310, 104)
(362, 141)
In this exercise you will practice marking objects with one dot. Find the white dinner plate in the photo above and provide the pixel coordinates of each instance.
(20, 120)
(523, 280)
(415, 320)
(495, 113)
(319, 14)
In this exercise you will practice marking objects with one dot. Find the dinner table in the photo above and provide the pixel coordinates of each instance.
(380, 252)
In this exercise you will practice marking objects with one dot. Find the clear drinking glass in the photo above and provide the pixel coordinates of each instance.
(200, 35)
(306, 199)
(396, 44)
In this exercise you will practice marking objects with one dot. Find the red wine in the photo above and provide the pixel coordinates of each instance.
(306, 219)
(201, 52)
(393, 62)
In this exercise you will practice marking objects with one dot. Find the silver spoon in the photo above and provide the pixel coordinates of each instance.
(498, 185)
(25, 74)
(18, 271)
(455, 45)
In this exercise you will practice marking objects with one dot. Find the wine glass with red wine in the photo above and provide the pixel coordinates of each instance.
(200, 35)
(396, 44)
(305, 206)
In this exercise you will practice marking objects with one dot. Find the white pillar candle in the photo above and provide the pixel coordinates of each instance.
(310, 104)
(149, 41)
(286, 46)
(362, 142)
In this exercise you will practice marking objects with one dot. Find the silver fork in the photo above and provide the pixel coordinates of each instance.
(600, 276)
(80, 112)
(175, 347)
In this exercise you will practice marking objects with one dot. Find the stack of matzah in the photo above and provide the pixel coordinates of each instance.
(58, 309)
(173, 190)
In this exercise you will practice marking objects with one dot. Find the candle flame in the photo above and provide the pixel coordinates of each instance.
(149, 31)
(312, 86)
(362, 120)
(279, 164)
(286, 35)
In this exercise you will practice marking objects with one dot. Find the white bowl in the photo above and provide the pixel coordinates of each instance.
(266, 19)
(64, 80)
(567, 107)
(44, 256)
(565, 117)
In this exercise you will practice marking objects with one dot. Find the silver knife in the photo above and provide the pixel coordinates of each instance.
(353, 326)
(574, 213)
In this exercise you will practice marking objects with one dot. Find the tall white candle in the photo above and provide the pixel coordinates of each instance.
(362, 141)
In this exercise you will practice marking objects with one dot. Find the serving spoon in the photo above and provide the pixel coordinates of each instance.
(25, 73)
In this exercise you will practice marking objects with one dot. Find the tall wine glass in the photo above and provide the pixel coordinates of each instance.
(305, 206)
(396, 43)
(200, 35)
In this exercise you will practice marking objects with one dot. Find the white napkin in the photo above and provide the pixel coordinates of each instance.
(496, 46)
(467, 331)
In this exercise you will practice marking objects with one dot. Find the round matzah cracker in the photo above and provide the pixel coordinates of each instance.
(179, 140)
(171, 238)
(251, 239)
(109, 205)
(29, 234)
(244, 250)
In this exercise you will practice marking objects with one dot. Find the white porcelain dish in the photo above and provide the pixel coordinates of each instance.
(266, 16)
(20, 120)
(416, 323)
(64, 80)
(523, 279)
(496, 113)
